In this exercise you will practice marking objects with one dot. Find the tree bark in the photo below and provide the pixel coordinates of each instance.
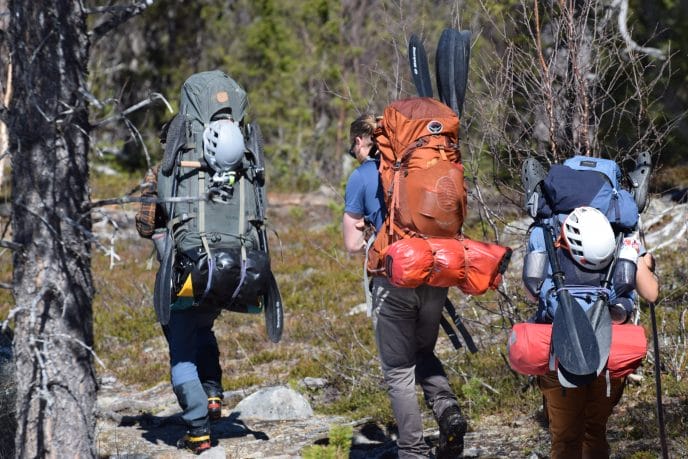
(52, 285)
(5, 83)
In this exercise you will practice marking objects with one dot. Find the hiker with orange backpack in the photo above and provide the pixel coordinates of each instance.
(406, 320)
(405, 206)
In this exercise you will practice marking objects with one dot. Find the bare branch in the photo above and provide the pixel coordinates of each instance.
(547, 82)
(118, 15)
(631, 45)
(132, 199)
(10, 244)
(144, 103)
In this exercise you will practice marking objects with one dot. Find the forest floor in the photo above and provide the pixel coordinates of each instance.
(145, 423)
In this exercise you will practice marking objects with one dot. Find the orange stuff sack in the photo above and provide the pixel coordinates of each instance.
(449, 265)
(444, 262)
(629, 348)
(485, 263)
(528, 349)
(408, 262)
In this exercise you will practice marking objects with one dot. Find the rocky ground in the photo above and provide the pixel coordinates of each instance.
(147, 424)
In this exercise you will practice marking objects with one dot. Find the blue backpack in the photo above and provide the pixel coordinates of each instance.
(586, 181)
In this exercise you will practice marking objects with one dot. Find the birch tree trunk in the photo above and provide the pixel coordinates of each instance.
(52, 285)
(5, 83)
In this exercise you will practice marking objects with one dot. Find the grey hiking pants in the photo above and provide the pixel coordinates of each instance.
(406, 324)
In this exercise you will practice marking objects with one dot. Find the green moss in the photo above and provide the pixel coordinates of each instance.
(241, 381)
(361, 403)
(339, 444)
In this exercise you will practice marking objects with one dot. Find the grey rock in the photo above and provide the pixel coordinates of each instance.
(274, 404)
(217, 452)
(313, 383)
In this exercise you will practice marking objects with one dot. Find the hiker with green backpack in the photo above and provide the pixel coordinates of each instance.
(207, 220)
(585, 266)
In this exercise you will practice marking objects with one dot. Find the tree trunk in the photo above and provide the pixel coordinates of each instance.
(52, 285)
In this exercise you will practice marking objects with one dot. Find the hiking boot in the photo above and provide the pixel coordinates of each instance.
(214, 407)
(452, 429)
(195, 441)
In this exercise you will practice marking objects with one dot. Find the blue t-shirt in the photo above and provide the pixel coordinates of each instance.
(364, 195)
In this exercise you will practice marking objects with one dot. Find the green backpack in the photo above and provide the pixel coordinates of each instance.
(216, 254)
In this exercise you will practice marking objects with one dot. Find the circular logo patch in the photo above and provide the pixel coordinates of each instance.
(222, 97)
(435, 127)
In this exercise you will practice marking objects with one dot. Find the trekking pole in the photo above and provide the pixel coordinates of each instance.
(640, 181)
(658, 384)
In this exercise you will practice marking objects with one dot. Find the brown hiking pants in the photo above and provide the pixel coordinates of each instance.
(578, 417)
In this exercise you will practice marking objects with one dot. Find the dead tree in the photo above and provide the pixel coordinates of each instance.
(52, 282)
(53, 288)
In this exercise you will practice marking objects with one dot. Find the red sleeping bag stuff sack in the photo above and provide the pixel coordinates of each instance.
(473, 266)
(529, 349)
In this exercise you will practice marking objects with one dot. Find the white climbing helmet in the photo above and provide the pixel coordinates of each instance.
(223, 145)
(589, 238)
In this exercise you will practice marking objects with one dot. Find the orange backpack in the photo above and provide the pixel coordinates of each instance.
(420, 241)
(421, 173)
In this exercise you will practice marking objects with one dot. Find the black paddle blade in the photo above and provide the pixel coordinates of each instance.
(420, 71)
(449, 330)
(463, 50)
(451, 61)
(274, 311)
(445, 68)
(255, 146)
(162, 292)
(175, 138)
(640, 178)
(601, 322)
(532, 174)
(573, 338)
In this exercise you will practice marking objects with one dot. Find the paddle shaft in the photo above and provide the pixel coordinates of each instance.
(451, 310)
(446, 326)
(557, 273)
(573, 338)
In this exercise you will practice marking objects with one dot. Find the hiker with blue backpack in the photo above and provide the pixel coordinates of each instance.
(585, 267)
(406, 320)
(206, 215)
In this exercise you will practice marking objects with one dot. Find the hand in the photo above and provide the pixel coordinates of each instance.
(649, 261)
